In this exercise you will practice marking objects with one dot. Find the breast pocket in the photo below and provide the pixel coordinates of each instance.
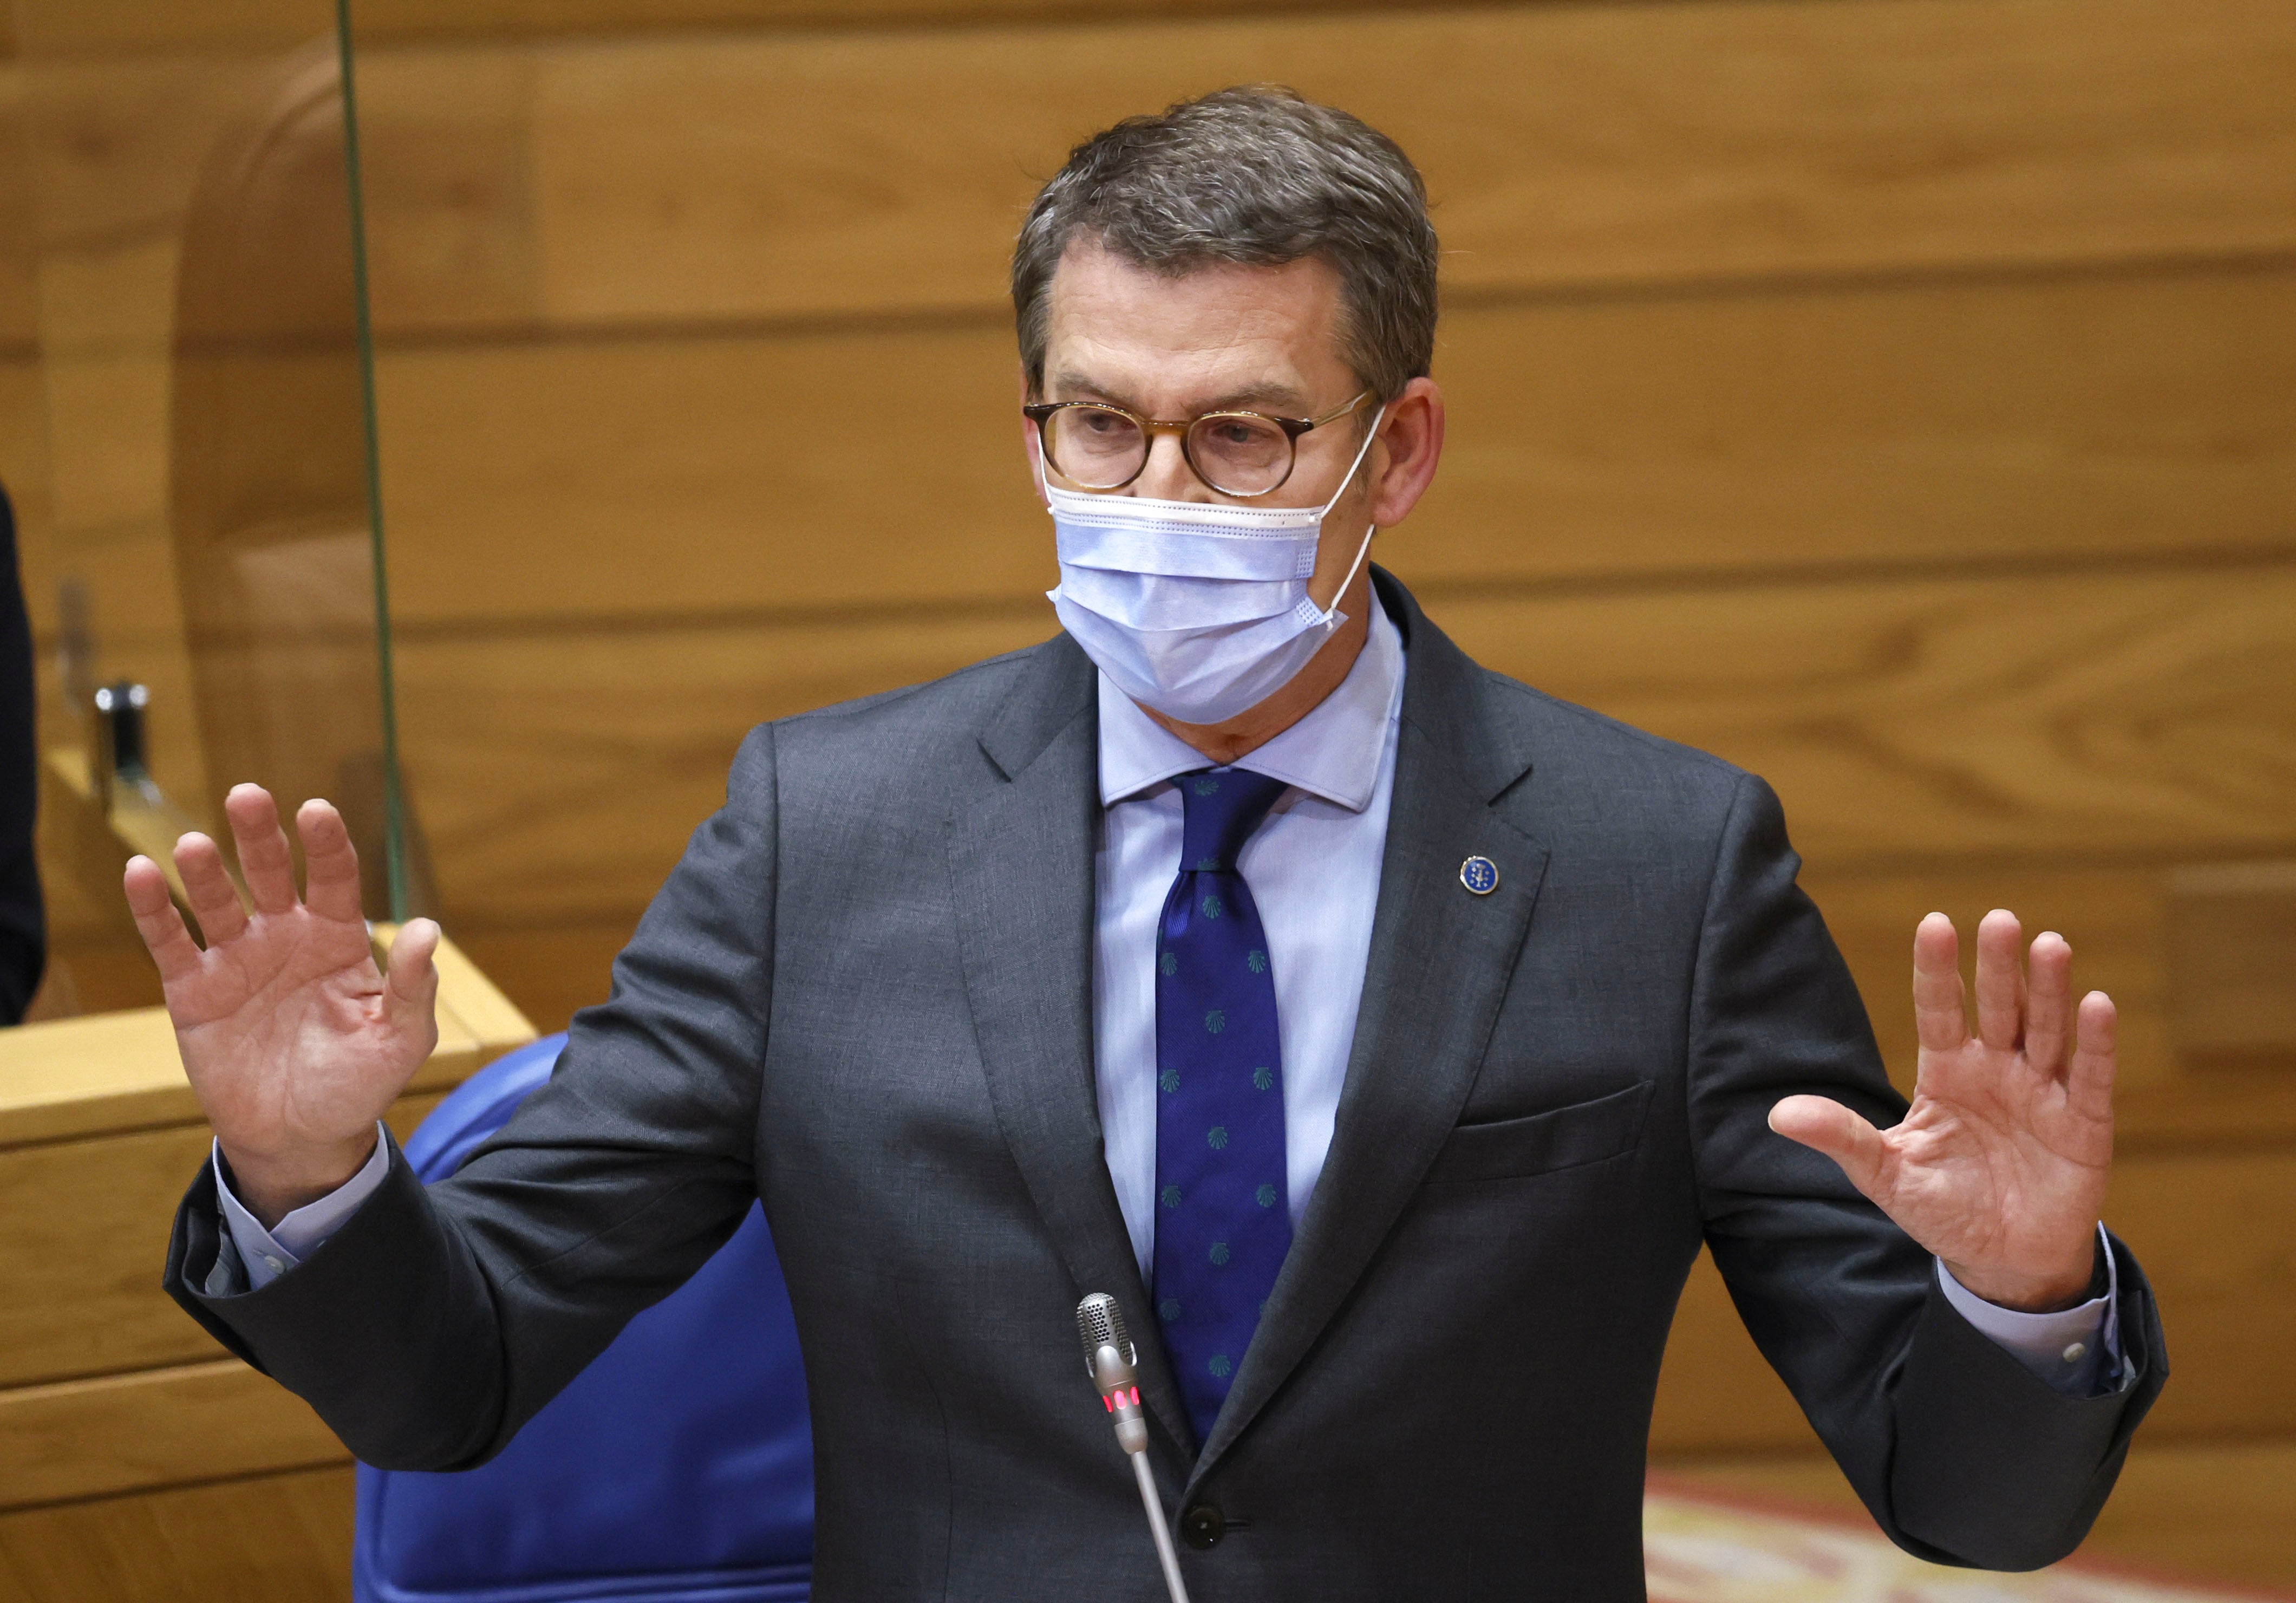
(1562, 1137)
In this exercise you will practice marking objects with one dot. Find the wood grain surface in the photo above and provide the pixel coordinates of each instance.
(155, 1427)
(1564, 145)
(281, 1538)
(714, 176)
(1932, 426)
(86, 1301)
(2143, 716)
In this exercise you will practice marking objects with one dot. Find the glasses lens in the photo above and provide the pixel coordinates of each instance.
(1239, 454)
(1094, 447)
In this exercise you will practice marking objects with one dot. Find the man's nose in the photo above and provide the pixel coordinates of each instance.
(1168, 477)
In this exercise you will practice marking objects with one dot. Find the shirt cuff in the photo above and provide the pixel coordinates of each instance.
(270, 1254)
(2075, 1351)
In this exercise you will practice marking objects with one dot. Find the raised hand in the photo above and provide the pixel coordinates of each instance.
(294, 1040)
(2000, 1167)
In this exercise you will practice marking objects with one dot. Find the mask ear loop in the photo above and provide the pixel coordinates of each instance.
(1333, 616)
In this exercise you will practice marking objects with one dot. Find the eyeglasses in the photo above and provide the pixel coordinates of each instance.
(1097, 446)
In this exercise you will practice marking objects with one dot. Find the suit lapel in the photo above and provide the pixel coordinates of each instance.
(1021, 859)
(1441, 960)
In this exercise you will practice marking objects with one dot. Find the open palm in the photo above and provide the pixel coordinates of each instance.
(2000, 1167)
(294, 1041)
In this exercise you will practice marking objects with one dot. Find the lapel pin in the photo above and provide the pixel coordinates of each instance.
(1479, 875)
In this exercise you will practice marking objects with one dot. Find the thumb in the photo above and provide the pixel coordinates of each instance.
(410, 989)
(1828, 1127)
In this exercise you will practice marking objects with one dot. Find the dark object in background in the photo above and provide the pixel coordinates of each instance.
(23, 929)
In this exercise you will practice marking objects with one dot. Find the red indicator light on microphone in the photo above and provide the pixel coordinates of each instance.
(1136, 1396)
(1109, 1403)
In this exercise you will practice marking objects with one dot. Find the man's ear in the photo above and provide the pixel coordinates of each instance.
(1413, 436)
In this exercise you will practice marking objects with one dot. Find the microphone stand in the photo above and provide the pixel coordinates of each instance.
(1108, 1358)
(1158, 1526)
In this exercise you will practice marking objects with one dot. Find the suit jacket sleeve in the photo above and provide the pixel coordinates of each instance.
(435, 1322)
(1963, 1454)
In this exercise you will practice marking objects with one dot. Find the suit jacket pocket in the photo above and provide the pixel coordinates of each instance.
(1562, 1137)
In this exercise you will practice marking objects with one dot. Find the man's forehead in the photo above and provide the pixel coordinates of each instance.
(1228, 334)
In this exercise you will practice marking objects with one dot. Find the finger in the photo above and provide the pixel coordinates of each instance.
(2088, 1082)
(1828, 1127)
(410, 989)
(2049, 988)
(1940, 1016)
(2000, 981)
(264, 860)
(170, 944)
(213, 898)
(330, 871)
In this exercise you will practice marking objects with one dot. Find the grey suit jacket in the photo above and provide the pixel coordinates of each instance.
(865, 997)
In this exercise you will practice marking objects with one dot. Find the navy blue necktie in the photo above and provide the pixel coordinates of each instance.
(1223, 1211)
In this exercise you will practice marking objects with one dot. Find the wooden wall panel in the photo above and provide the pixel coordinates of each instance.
(267, 1539)
(537, 481)
(124, 27)
(1923, 425)
(2210, 1230)
(19, 212)
(115, 147)
(559, 775)
(779, 175)
(2131, 714)
(1716, 1391)
(2113, 917)
(2232, 940)
(2139, 715)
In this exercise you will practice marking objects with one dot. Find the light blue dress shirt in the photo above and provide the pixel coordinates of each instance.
(1314, 869)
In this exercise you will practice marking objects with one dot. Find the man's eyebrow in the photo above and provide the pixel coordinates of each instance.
(1257, 397)
(1076, 386)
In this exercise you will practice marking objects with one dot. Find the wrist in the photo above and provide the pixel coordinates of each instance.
(270, 1186)
(2070, 1285)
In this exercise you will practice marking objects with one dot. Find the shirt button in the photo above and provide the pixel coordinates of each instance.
(275, 1266)
(2076, 1353)
(1202, 1526)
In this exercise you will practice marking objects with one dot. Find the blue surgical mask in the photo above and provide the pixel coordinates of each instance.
(1196, 609)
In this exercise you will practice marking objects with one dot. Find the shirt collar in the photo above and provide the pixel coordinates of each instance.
(1333, 753)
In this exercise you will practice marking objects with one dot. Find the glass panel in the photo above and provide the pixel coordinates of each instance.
(185, 431)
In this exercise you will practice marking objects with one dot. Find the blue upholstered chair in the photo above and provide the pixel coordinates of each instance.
(677, 1469)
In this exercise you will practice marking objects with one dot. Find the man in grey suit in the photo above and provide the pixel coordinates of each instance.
(1385, 1036)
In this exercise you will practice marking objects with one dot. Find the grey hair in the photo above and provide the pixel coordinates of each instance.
(1257, 176)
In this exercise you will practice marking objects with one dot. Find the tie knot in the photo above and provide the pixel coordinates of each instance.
(1223, 806)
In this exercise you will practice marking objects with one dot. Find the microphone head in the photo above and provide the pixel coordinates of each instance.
(1100, 1321)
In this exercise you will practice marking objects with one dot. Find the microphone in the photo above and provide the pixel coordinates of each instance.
(1108, 1358)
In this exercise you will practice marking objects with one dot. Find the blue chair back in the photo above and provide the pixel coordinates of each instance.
(677, 1469)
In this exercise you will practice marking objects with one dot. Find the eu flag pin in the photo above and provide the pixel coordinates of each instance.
(1479, 875)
